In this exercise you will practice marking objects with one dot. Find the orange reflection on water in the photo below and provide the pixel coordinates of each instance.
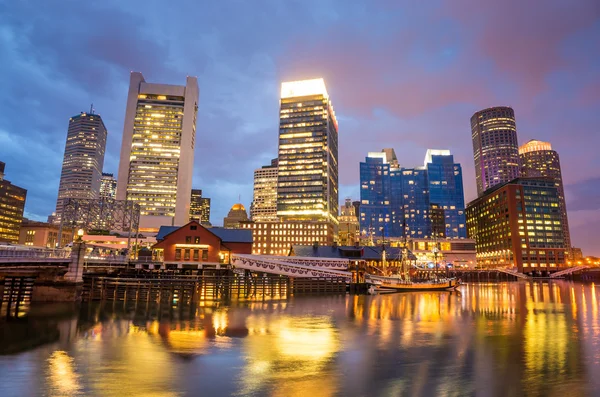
(289, 353)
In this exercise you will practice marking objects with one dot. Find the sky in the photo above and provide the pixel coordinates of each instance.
(401, 74)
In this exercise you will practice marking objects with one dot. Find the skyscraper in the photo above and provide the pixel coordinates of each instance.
(264, 203)
(446, 193)
(375, 196)
(539, 160)
(495, 147)
(83, 159)
(199, 207)
(12, 205)
(307, 184)
(157, 153)
(108, 186)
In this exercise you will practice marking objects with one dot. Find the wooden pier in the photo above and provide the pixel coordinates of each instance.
(182, 289)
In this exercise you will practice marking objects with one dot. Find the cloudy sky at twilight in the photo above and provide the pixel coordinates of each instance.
(400, 74)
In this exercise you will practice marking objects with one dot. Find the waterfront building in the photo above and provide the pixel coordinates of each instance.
(495, 147)
(443, 252)
(518, 224)
(539, 160)
(12, 205)
(375, 197)
(236, 214)
(199, 207)
(307, 183)
(371, 256)
(157, 152)
(276, 238)
(195, 247)
(446, 194)
(83, 159)
(108, 186)
(349, 230)
(420, 202)
(116, 242)
(43, 234)
(264, 202)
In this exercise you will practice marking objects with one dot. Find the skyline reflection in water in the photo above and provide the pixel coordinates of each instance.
(488, 339)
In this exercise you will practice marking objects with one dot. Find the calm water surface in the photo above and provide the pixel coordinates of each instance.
(511, 339)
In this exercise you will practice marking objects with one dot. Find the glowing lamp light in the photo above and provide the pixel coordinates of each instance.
(80, 233)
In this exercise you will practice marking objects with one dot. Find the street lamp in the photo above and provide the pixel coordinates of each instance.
(80, 233)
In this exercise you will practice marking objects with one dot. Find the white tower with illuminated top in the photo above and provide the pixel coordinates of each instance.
(157, 153)
(307, 185)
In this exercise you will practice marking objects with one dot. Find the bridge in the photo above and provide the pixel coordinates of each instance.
(293, 266)
(569, 270)
(512, 272)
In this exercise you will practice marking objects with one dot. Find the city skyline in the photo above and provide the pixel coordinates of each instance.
(552, 94)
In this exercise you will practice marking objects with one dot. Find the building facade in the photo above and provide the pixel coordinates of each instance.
(42, 234)
(349, 228)
(539, 160)
(83, 159)
(12, 205)
(495, 147)
(264, 202)
(199, 207)
(276, 238)
(236, 215)
(195, 247)
(518, 224)
(420, 202)
(446, 194)
(157, 152)
(108, 186)
(307, 182)
(375, 197)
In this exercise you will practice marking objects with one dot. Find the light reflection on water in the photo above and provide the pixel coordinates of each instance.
(489, 339)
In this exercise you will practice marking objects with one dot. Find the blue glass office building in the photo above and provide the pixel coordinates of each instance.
(375, 196)
(399, 202)
(446, 191)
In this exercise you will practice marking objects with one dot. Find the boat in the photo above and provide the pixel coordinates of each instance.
(398, 283)
(403, 281)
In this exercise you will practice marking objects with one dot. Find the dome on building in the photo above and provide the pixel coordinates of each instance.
(238, 207)
(236, 214)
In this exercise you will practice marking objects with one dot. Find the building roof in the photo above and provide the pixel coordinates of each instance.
(232, 235)
(164, 230)
(226, 235)
(238, 207)
(349, 252)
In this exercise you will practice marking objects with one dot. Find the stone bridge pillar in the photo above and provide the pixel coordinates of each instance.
(75, 272)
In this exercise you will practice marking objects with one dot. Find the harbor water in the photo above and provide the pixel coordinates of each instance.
(496, 339)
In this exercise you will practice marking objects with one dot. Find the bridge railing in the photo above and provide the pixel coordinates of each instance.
(568, 271)
(47, 253)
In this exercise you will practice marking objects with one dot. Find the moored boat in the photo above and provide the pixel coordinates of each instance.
(383, 283)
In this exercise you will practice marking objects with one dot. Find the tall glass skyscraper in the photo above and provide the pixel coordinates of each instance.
(539, 160)
(495, 147)
(446, 191)
(375, 197)
(415, 202)
(157, 153)
(83, 160)
(307, 181)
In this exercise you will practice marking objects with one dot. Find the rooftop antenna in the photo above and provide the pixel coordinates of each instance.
(239, 198)
(92, 108)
